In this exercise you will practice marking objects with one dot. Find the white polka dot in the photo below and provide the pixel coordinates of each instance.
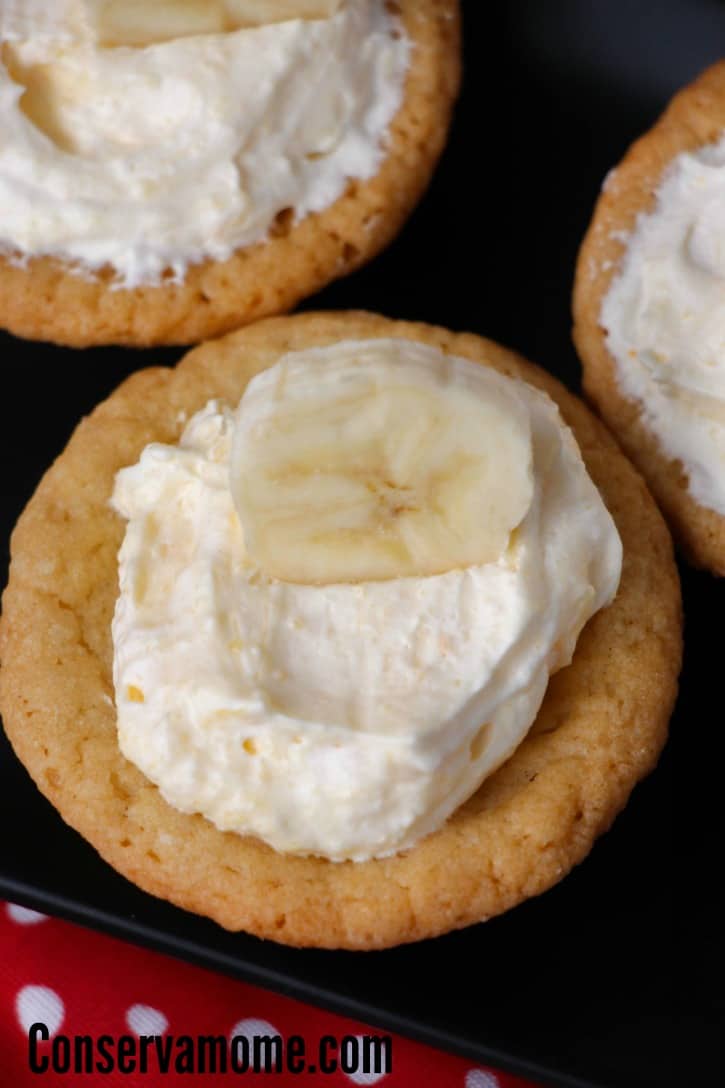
(366, 1078)
(143, 1020)
(250, 1028)
(476, 1078)
(24, 916)
(39, 1005)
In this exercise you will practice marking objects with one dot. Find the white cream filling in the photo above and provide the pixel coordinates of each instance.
(664, 317)
(150, 160)
(341, 720)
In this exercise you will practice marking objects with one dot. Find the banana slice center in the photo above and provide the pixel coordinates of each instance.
(366, 463)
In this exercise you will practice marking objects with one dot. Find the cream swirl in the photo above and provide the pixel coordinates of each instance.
(150, 160)
(664, 317)
(345, 720)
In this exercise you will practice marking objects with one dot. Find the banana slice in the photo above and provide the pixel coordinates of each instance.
(140, 23)
(146, 22)
(376, 460)
(241, 13)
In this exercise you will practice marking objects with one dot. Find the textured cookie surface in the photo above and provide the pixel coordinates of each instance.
(600, 729)
(694, 118)
(44, 300)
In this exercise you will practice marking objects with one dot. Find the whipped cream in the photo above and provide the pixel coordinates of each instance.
(344, 720)
(150, 160)
(664, 317)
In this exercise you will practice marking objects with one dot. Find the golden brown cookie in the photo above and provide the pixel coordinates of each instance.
(45, 300)
(600, 729)
(695, 117)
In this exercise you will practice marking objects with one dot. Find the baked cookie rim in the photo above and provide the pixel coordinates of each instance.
(42, 299)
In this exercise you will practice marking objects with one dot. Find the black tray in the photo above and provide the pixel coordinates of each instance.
(596, 983)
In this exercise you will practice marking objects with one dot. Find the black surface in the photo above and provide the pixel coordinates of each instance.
(599, 982)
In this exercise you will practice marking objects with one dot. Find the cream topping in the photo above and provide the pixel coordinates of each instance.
(153, 159)
(664, 317)
(345, 720)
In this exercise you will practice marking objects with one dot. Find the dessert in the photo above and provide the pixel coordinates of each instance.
(649, 306)
(170, 171)
(345, 722)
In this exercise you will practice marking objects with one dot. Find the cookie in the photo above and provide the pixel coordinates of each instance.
(600, 729)
(44, 298)
(694, 119)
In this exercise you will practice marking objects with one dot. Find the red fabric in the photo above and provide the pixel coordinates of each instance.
(83, 983)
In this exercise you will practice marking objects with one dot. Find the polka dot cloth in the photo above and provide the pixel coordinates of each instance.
(79, 982)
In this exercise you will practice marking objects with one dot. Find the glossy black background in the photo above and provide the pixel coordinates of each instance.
(610, 979)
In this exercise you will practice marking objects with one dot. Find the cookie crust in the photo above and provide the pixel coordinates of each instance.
(600, 729)
(45, 300)
(694, 118)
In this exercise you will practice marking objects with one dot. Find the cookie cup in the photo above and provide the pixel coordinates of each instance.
(45, 299)
(600, 729)
(694, 118)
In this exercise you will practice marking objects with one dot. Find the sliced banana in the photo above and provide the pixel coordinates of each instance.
(145, 22)
(379, 459)
(140, 23)
(241, 13)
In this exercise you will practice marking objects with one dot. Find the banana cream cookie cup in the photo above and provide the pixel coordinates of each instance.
(649, 309)
(171, 171)
(370, 730)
